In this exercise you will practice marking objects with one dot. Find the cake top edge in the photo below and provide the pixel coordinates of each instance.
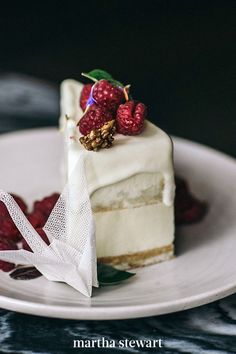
(147, 148)
(70, 92)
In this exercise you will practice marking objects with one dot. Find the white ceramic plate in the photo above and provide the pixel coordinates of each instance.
(203, 271)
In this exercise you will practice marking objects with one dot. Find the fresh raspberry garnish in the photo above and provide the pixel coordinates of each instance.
(3, 210)
(19, 201)
(188, 209)
(107, 95)
(84, 96)
(95, 118)
(46, 205)
(37, 219)
(193, 213)
(25, 245)
(41, 234)
(130, 118)
(5, 246)
(8, 241)
(8, 229)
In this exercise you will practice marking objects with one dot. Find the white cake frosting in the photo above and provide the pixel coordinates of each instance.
(149, 152)
(131, 185)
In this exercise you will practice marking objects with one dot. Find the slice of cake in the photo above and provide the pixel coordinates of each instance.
(131, 186)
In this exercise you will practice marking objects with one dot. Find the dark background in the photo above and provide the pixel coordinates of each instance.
(179, 56)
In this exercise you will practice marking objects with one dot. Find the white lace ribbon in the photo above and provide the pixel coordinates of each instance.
(71, 255)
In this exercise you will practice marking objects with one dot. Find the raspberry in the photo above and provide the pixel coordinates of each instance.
(95, 118)
(8, 242)
(37, 219)
(46, 205)
(41, 234)
(107, 95)
(8, 229)
(130, 118)
(84, 96)
(19, 201)
(5, 246)
(3, 210)
(188, 209)
(194, 213)
(25, 245)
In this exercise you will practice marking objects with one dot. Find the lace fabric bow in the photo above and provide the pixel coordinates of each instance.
(71, 255)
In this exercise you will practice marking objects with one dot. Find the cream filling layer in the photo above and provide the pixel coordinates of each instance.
(133, 230)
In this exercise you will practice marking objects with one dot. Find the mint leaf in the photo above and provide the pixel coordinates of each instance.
(116, 83)
(98, 74)
(108, 275)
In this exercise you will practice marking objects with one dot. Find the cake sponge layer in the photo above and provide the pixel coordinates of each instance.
(140, 259)
(135, 191)
(127, 231)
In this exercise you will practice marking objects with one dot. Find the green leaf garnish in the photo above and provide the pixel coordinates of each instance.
(116, 83)
(98, 74)
(108, 275)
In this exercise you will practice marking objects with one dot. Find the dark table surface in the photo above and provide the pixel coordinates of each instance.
(209, 329)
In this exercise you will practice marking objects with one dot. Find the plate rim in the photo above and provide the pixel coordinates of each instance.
(118, 312)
